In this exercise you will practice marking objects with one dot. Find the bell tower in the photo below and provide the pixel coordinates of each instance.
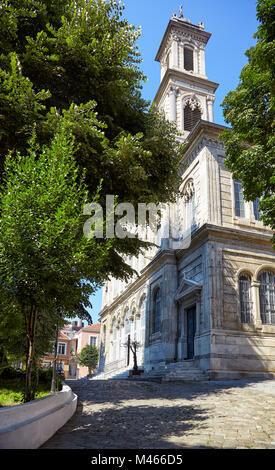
(185, 94)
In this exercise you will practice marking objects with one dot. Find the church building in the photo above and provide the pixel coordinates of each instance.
(205, 311)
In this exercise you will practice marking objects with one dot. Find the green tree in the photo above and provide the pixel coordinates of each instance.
(60, 62)
(89, 357)
(71, 67)
(71, 58)
(45, 261)
(250, 109)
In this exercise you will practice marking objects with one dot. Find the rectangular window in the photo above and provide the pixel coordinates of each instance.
(239, 199)
(93, 340)
(61, 348)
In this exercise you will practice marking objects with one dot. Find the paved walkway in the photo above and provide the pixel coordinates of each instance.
(144, 415)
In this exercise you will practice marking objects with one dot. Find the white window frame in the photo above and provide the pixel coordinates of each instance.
(65, 348)
(93, 336)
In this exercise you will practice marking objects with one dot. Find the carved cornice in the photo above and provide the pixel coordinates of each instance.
(181, 36)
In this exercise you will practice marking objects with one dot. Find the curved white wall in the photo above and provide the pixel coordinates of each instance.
(29, 425)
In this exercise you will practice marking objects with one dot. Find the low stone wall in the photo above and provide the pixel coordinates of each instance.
(29, 425)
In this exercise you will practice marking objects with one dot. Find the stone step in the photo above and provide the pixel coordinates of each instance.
(185, 371)
(118, 374)
(141, 378)
(186, 375)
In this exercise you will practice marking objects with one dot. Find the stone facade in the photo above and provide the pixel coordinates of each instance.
(208, 304)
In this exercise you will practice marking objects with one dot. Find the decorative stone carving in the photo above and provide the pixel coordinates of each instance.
(188, 190)
(193, 102)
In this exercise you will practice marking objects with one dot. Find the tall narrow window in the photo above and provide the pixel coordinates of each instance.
(245, 298)
(188, 59)
(256, 209)
(93, 340)
(143, 312)
(190, 212)
(239, 199)
(267, 297)
(61, 349)
(156, 311)
(114, 348)
(191, 117)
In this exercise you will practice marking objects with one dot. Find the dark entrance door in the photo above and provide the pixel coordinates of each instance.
(191, 330)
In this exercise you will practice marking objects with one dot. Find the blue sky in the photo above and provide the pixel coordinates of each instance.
(232, 24)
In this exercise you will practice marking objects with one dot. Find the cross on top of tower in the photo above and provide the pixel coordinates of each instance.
(181, 17)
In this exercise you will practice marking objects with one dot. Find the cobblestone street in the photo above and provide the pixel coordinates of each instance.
(146, 415)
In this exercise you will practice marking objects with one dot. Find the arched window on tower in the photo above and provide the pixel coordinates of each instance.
(191, 117)
(267, 297)
(188, 59)
(245, 298)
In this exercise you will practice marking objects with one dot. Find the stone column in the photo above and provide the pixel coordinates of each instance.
(175, 55)
(202, 62)
(162, 70)
(210, 111)
(197, 60)
(173, 103)
(198, 314)
(183, 337)
(256, 304)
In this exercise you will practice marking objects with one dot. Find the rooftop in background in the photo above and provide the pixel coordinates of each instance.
(95, 328)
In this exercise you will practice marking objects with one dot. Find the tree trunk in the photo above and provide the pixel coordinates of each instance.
(36, 381)
(53, 387)
(134, 351)
(30, 321)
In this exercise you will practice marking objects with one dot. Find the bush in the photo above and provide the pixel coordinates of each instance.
(11, 373)
(45, 377)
